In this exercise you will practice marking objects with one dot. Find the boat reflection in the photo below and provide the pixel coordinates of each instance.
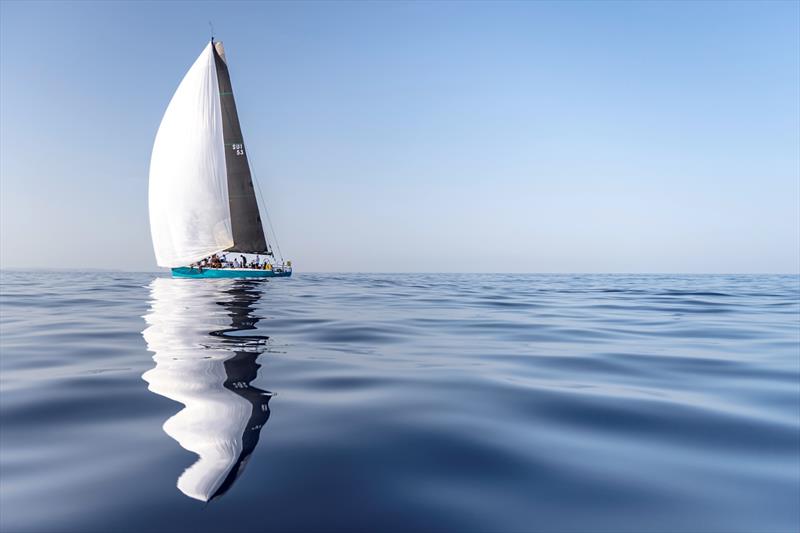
(202, 363)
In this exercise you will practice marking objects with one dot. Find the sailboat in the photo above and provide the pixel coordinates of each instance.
(201, 196)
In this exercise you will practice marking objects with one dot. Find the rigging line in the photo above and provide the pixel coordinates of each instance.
(269, 223)
(253, 178)
(264, 205)
(229, 114)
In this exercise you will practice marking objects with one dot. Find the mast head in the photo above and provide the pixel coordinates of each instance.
(220, 50)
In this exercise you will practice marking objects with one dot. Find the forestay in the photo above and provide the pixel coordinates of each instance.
(189, 211)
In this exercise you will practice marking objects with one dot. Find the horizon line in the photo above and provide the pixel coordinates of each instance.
(395, 272)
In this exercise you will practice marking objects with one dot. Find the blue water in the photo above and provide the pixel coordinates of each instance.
(135, 402)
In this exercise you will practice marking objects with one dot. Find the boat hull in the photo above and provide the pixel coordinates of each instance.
(188, 272)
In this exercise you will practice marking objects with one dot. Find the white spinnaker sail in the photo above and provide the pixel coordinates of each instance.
(189, 212)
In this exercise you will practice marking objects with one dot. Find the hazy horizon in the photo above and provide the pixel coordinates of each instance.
(607, 137)
(160, 270)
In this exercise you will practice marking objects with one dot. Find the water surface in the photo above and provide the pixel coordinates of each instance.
(136, 402)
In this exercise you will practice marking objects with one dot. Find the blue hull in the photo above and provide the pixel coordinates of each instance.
(187, 272)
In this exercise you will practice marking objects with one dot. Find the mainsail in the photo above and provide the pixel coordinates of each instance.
(201, 194)
(248, 232)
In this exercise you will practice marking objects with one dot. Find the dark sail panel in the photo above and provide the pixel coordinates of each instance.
(248, 233)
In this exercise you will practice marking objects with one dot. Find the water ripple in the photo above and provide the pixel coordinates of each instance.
(393, 402)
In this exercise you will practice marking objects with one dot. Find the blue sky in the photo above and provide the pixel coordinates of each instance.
(519, 137)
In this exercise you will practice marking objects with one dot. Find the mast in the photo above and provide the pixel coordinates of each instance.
(248, 231)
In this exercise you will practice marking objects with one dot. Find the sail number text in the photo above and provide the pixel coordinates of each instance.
(238, 149)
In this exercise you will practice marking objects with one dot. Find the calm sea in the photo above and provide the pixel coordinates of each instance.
(136, 402)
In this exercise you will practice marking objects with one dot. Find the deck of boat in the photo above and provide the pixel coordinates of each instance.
(189, 272)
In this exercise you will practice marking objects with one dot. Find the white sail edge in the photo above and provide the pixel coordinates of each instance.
(188, 194)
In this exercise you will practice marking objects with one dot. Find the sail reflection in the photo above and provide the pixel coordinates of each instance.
(204, 364)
